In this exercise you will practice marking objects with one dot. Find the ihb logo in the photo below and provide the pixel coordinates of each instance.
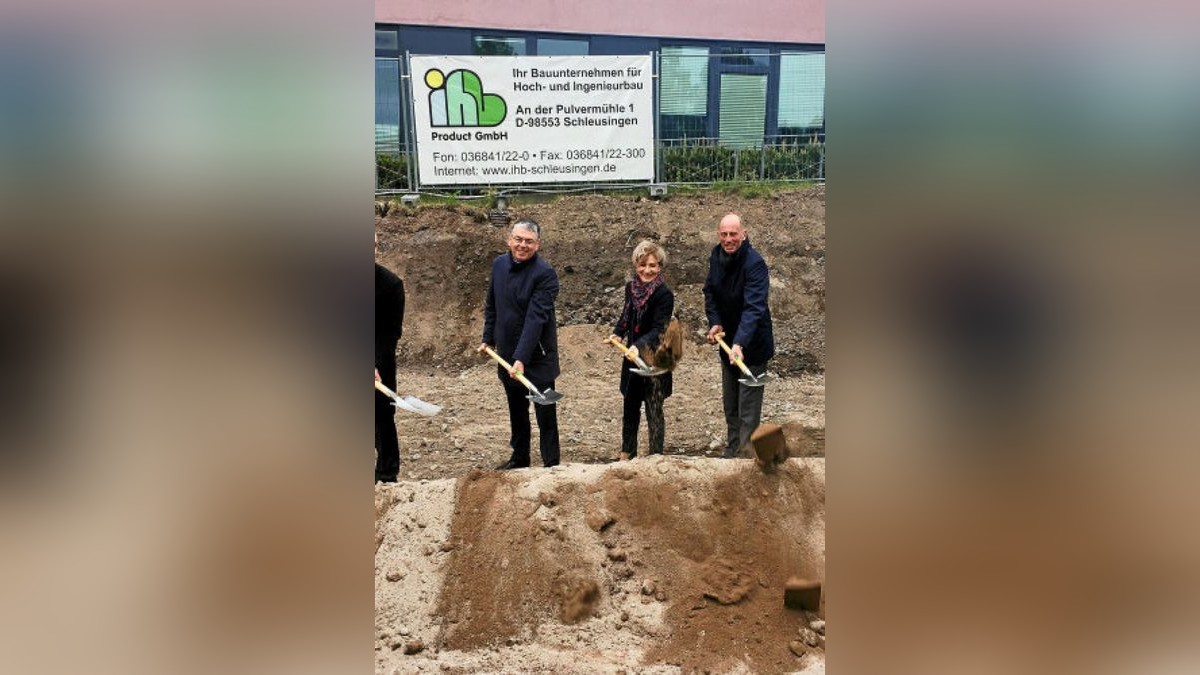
(457, 100)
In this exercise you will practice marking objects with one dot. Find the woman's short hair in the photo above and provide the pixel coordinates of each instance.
(646, 248)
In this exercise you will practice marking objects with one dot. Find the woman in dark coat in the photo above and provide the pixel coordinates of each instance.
(648, 307)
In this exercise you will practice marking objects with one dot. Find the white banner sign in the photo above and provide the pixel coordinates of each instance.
(533, 119)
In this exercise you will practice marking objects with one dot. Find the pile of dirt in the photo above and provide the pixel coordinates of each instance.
(663, 564)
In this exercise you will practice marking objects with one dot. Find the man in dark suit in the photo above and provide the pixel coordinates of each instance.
(735, 300)
(389, 325)
(519, 324)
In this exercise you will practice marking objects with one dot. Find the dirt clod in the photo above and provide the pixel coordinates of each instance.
(414, 647)
(800, 593)
(598, 519)
(580, 600)
(727, 583)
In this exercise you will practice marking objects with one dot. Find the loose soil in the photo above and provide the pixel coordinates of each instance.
(665, 564)
(507, 572)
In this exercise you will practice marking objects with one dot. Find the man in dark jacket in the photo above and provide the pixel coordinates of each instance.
(519, 324)
(735, 300)
(389, 324)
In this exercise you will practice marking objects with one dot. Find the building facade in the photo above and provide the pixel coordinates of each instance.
(728, 73)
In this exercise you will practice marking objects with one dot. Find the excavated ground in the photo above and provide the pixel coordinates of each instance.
(661, 565)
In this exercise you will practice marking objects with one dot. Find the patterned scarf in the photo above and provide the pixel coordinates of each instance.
(641, 292)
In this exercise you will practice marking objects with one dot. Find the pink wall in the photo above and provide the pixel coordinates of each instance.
(766, 20)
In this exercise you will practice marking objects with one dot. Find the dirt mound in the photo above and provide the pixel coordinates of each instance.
(663, 564)
(443, 255)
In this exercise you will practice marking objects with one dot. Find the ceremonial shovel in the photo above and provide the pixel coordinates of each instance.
(751, 380)
(548, 397)
(632, 354)
(410, 403)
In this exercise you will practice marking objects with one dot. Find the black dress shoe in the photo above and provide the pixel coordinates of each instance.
(509, 465)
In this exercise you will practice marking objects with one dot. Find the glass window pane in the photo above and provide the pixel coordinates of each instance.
(801, 92)
(387, 105)
(549, 47)
(386, 39)
(684, 80)
(743, 109)
(498, 46)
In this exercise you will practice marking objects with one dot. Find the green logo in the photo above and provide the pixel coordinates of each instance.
(457, 100)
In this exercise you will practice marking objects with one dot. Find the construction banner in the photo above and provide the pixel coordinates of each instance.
(532, 119)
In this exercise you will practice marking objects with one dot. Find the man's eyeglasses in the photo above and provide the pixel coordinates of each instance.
(524, 241)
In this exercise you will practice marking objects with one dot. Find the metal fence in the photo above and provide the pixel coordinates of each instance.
(738, 94)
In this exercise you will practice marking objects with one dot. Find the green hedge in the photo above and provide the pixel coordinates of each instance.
(706, 162)
(391, 172)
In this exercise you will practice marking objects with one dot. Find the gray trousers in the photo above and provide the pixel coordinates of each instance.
(743, 407)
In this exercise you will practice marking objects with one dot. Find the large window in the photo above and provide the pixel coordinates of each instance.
(802, 94)
(490, 45)
(683, 92)
(554, 47)
(743, 109)
(387, 105)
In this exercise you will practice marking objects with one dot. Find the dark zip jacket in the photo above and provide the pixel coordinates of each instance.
(518, 315)
(735, 298)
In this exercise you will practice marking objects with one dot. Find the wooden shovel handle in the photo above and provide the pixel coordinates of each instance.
(383, 388)
(629, 352)
(736, 361)
(507, 366)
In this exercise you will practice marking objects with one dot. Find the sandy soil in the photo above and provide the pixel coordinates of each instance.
(659, 565)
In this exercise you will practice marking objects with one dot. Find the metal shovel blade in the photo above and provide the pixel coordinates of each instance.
(646, 370)
(415, 405)
(548, 397)
(759, 381)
